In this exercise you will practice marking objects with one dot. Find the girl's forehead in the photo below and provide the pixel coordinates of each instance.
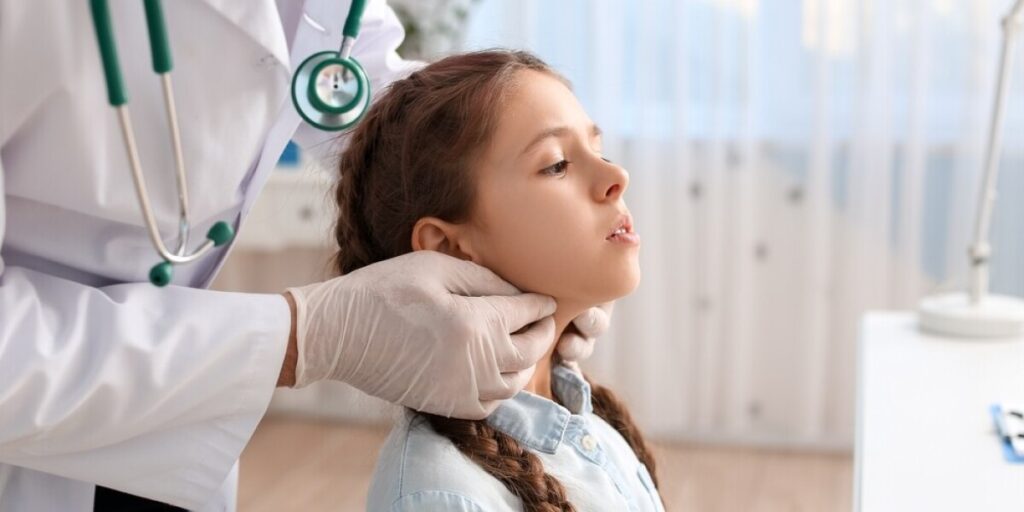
(538, 102)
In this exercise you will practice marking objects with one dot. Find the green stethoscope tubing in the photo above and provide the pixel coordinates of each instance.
(220, 233)
(306, 95)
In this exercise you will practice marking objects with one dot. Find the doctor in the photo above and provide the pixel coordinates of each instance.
(115, 392)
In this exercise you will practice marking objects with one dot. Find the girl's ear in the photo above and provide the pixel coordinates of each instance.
(433, 234)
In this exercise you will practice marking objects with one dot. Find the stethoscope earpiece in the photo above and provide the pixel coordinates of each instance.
(219, 234)
(161, 274)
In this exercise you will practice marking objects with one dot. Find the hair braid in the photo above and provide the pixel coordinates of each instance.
(352, 230)
(522, 472)
(504, 458)
(361, 183)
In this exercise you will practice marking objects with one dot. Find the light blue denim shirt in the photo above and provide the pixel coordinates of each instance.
(418, 470)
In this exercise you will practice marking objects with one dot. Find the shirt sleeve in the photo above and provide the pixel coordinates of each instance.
(435, 501)
(151, 391)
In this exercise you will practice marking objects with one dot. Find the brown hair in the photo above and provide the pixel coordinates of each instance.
(410, 158)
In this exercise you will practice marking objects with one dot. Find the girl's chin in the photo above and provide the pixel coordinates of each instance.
(613, 281)
(611, 290)
(624, 281)
(628, 284)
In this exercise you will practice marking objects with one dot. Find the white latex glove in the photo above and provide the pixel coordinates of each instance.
(592, 323)
(424, 330)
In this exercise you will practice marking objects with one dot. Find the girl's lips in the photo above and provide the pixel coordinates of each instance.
(623, 232)
(623, 224)
(627, 238)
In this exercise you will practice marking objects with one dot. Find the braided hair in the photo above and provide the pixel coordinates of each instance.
(501, 456)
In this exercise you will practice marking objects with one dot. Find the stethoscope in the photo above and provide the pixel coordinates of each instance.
(330, 90)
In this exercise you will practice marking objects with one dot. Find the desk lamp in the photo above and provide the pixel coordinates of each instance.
(978, 314)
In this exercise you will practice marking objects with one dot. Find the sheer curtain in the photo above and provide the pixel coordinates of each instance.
(793, 164)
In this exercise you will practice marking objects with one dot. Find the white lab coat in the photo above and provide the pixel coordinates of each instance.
(105, 379)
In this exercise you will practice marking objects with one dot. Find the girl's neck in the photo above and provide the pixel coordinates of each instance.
(540, 384)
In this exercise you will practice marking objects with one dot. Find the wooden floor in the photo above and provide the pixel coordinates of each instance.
(309, 466)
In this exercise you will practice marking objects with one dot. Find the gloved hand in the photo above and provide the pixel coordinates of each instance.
(575, 346)
(424, 330)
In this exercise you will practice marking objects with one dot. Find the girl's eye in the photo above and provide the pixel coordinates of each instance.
(557, 169)
(606, 160)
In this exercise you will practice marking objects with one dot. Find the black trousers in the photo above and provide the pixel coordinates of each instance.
(109, 500)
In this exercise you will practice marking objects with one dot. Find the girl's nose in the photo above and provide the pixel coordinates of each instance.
(613, 182)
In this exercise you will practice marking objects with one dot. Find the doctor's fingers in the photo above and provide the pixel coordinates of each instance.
(594, 321)
(516, 330)
(573, 347)
(521, 329)
(461, 277)
(525, 348)
(507, 386)
(491, 389)
(514, 312)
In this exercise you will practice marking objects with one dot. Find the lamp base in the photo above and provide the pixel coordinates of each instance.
(952, 314)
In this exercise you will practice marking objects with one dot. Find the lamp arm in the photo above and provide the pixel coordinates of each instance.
(980, 250)
(1015, 12)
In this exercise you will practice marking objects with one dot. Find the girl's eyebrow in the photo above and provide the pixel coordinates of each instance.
(557, 131)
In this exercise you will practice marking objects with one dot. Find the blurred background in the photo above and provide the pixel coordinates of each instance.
(794, 164)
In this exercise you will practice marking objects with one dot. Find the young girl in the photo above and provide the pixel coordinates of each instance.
(489, 157)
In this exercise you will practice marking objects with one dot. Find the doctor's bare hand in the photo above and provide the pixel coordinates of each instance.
(424, 330)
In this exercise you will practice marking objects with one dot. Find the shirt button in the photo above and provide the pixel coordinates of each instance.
(588, 442)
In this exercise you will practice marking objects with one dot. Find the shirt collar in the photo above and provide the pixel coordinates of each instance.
(539, 423)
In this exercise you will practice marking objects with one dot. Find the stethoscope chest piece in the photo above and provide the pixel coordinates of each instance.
(330, 92)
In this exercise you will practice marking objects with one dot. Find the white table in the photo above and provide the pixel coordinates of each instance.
(925, 440)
